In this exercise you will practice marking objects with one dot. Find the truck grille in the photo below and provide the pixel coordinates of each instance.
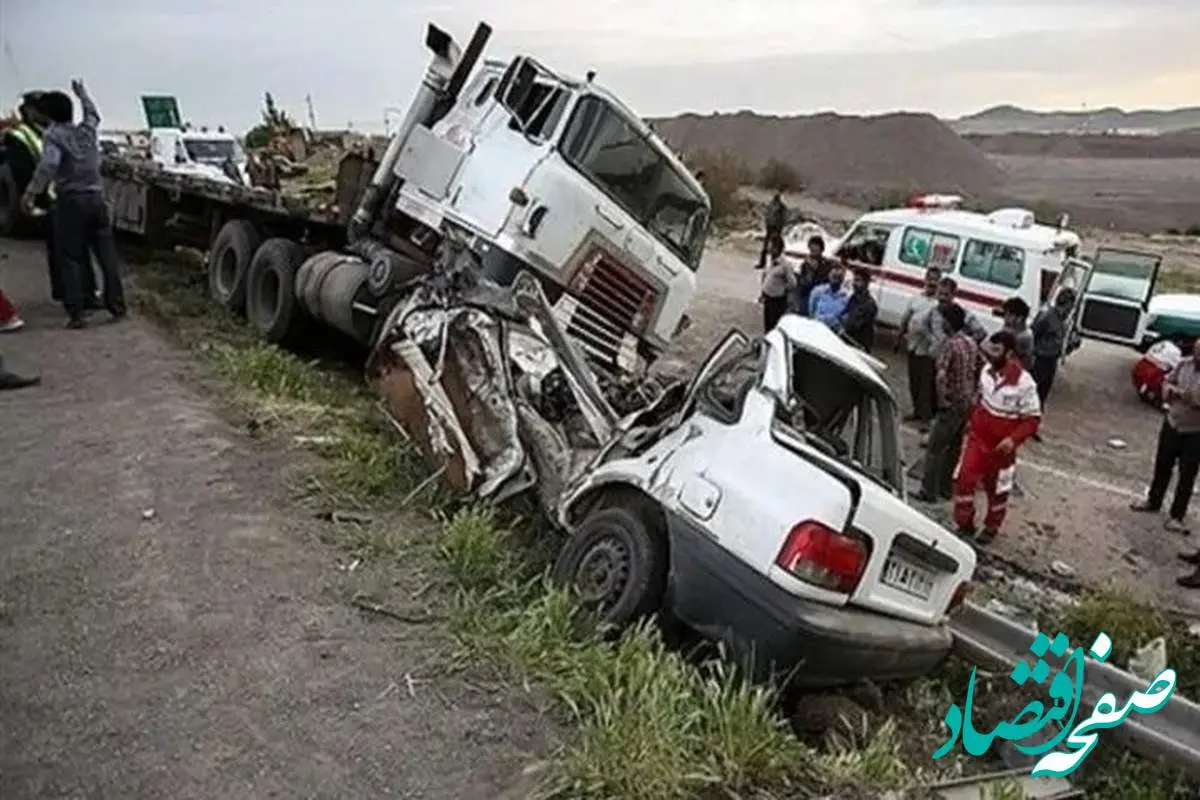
(608, 304)
(1110, 318)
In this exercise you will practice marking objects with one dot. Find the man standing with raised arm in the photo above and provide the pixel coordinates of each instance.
(71, 159)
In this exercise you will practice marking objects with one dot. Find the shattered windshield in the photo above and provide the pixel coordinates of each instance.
(637, 173)
(844, 416)
(211, 151)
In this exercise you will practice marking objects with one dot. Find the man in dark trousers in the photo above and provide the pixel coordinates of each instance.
(778, 281)
(774, 220)
(71, 159)
(915, 340)
(23, 150)
(1049, 331)
(814, 271)
(956, 368)
(11, 380)
(858, 320)
(1178, 444)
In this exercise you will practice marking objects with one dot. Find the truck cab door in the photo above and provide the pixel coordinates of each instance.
(505, 146)
(1117, 296)
(1075, 276)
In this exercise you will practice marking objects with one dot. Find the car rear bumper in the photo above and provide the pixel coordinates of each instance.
(775, 632)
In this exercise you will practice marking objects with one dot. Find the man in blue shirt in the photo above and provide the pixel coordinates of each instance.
(71, 159)
(828, 301)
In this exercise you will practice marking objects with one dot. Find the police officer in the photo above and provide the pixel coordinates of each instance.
(23, 149)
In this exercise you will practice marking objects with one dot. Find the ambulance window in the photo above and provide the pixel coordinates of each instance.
(992, 262)
(925, 248)
(866, 243)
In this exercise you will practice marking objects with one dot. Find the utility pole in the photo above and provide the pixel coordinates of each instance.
(312, 115)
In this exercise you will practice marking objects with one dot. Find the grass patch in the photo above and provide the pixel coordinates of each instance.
(651, 724)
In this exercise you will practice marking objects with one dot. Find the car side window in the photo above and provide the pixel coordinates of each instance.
(725, 390)
(992, 262)
(925, 248)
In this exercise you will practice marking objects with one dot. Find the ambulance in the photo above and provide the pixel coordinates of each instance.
(997, 255)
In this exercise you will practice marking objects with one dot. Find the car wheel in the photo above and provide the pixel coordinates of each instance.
(271, 306)
(229, 262)
(616, 565)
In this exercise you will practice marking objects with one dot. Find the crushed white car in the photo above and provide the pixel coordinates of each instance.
(763, 504)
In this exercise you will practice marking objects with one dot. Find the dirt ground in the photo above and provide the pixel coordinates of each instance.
(1144, 194)
(1077, 488)
(171, 627)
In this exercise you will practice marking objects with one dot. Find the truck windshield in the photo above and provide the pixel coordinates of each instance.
(844, 416)
(635, 172)
(211, 151)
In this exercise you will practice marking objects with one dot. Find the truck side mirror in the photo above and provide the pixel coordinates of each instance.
(516, 86)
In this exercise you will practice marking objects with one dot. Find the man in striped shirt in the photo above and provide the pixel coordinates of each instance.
(957, 378)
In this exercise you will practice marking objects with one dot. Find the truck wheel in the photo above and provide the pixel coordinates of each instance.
(271, 306)
(616, 566)
(228, 263)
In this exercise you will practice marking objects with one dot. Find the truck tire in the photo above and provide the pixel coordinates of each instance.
(10, 203)
(229, 262)
(616, 566)
(270, 286)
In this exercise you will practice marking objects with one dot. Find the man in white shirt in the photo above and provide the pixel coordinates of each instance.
(915, 340)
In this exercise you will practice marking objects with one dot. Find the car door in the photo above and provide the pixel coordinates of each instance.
(1117, 296)
(1075, 275)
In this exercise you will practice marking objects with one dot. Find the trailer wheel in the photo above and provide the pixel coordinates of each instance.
(271, 305)
(229, 263)
(616, 566)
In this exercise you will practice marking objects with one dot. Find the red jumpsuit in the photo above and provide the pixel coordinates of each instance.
(1151, 371)
(1007, 408)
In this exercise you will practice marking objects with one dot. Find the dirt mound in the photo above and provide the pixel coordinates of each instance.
(1178, 144)
(837, 155)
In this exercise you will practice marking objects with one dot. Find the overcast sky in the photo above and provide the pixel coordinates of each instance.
(357, 57)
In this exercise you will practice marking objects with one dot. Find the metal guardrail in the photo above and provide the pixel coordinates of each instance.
(1172, 734)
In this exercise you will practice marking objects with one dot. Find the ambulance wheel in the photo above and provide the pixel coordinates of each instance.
(229, 262)
(616, 565)
(271, 306)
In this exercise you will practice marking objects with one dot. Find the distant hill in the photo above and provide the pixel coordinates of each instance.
(835, 155)
(1011, 119)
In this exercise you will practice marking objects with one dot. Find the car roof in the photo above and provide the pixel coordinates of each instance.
(1180, 305)
(815, 337)
(1037, 236)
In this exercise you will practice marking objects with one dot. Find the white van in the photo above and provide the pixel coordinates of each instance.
(992, 256)
(995, 256)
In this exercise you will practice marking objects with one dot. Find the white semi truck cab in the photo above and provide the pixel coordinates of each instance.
(206, 154)
(527, 169)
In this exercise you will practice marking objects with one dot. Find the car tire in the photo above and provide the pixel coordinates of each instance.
(616, 565)
(271, 305)
(229, 263)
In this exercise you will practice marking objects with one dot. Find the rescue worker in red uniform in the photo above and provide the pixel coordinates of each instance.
(1007, 412)
(1151, 371)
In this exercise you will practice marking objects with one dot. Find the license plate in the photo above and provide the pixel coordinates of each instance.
(908, 578)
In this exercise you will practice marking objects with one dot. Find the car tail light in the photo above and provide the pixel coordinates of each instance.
(961, 592)
(817, 554)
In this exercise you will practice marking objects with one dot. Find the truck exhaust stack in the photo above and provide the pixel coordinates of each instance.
(443, 81)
